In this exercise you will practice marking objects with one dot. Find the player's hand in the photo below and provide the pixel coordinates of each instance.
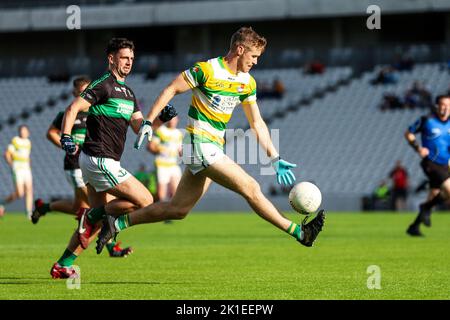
(167, 113)
(67, 144)
(423, 152)
(145, 131)
(283, 170)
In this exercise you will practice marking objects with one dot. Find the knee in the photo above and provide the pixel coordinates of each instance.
(144, 202)
(251, 190)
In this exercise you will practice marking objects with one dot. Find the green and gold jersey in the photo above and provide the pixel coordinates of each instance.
(216, 91)
(20, 150)
(169, 144)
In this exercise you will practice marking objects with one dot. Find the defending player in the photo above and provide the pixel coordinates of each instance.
(434, 151)
(18, 158)
(218, 86)
(112, 109)
(73, 174)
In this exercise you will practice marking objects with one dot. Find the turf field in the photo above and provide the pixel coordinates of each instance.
(233, 256)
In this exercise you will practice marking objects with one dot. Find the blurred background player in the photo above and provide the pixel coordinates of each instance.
(400, 185)
(166, 145)
(112, 109)
(218, 86)
(434, 151)
(71, 166)
(73, 174)
(18, 158)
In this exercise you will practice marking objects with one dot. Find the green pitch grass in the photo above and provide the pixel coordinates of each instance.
(233, 256)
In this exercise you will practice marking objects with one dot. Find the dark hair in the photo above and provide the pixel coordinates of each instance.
(79, 81)
(22, 126)
(441, 96)
(115, 44)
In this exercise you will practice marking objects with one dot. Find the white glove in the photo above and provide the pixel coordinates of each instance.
(145, 130)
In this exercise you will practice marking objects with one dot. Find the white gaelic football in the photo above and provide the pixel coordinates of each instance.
(305, 197)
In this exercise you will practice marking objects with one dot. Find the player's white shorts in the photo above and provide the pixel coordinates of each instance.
(166, 174)
(22, 175)
(102, 173)
(198, 156)
(75, 178)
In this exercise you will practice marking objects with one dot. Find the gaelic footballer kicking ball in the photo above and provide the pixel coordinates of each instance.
(305, 197)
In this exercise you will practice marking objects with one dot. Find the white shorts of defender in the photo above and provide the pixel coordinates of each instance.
(199, 156)
(75, 178)
(22, 175)
(102, 173)
(166, 174)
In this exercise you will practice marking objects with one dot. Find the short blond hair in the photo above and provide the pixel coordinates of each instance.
(247, 38)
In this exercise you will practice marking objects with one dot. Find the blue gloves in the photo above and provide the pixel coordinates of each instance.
(167, 113)
(67, 144)
(283, 170)
(145, 130)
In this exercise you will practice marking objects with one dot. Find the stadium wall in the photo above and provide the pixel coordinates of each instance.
(195, 12)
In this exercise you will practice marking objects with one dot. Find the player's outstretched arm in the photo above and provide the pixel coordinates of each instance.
(257, 123)
(177, 86)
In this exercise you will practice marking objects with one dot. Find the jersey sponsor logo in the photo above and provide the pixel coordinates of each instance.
(241, 88)
(125, 91)
(435, 132)
(225, 103)
(124, 108)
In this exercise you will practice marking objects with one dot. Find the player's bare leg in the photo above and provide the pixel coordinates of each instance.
(231, 176)
(69, 206)
(162, 191)
(16, 194)
(227, 173)
(28, 188)
(190, 189)
(173, 185)
(130, 195)
(435, 195)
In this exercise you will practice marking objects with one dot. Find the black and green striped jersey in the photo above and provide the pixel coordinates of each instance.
(112, 105)
(78, 135)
